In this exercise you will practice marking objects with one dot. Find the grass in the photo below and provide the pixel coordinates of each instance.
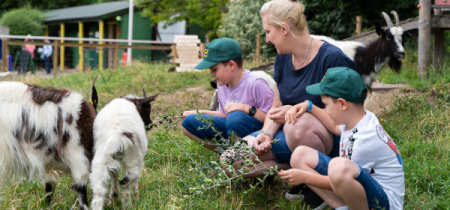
(419, 123)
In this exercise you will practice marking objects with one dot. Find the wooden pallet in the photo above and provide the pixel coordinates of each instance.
(187, 52)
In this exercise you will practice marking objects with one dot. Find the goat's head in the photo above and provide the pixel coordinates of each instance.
(144, 107)
(392, 37)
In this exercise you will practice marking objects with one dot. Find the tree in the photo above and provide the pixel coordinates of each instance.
(206, 13)
(336, 18)
(242, 23)
(25, 20)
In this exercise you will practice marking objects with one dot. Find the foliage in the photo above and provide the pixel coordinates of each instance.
(25, 20)
(242, 23)
(337, 18)
(45, 4)
(205, 13)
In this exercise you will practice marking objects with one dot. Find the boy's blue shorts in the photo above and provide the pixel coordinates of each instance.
(238, 122)
(282, 152)
(376, 197)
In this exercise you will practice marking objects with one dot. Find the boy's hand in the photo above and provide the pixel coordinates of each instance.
(233, 106)
(186, 113)
(295, 112)
(264, 146)
(278, 115)
(292, 176)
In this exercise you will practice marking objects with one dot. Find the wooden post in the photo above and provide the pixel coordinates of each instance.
(174, 52)
(424, 38)
(258, 48)
(439, 48)
(116, 55)
(100, 52)
(61, 62)
(202, 50)
(80, 49)
(358, 24)
(55, 56)
(5, 54)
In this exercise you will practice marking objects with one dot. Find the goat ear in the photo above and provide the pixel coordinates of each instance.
(93, 96)
(380, 32)
(148, 99)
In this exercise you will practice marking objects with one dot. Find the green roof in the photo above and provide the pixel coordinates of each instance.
(87, 12)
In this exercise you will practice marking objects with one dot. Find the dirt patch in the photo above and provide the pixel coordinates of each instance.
(175, 103)
(380, 100)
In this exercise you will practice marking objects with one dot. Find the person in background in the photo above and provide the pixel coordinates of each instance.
(46, 53)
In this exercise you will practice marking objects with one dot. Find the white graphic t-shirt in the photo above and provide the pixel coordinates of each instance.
(368, 145)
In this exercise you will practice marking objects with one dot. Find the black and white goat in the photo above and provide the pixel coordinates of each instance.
(120, 140)
(44, 134)
(371, 58)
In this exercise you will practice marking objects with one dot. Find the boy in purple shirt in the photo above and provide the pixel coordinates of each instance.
(244, 98)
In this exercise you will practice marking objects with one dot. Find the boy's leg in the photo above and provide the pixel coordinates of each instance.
(242, 124)
(347, 176)
(191, 127)
(311, 160)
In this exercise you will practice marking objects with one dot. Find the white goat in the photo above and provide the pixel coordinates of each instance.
(44, 134)
(119, 135)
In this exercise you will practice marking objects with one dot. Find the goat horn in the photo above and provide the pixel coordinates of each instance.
(388, 20)
(397, 20)
(145, 95)
(93, 92)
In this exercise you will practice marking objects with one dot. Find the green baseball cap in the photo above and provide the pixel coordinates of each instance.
(340, 82)
(221, 49)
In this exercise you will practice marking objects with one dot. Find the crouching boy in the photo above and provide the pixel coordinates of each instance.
(368, 174)
(244, 98)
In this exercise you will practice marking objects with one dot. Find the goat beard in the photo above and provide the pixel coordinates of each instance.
(395, 64)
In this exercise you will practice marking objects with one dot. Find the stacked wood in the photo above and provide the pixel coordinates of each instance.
(187, 52)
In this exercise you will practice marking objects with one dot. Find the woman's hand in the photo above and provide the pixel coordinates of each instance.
(262, 143)
(186, 113)
(295, 112)
(278, 115)
(233, 106)
(292, 176)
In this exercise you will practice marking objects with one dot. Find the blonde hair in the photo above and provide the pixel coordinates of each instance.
(286, 11)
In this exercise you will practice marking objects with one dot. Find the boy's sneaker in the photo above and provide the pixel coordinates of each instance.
(309, 196)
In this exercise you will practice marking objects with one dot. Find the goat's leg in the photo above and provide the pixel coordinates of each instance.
(79, 167)
(132, 170)
(114, 188)
(49, 188)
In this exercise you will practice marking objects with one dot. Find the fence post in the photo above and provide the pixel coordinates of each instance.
(358, 24)
(202, 50)
(5, 54)
(424, 38)
(439, 46)
(61, 59)
(258, 48)
(116, 55)
(55, 57)
(174, 52)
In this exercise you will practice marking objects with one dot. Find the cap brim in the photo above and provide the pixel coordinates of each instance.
(205, 64)
(314, 89)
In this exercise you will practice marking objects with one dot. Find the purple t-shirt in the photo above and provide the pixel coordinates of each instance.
(251, 90)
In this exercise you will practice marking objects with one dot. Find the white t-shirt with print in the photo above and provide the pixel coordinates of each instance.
(374, 150)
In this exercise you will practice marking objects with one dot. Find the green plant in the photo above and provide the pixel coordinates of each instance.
(242, 23)
(23, 21)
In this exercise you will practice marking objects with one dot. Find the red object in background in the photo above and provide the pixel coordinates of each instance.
(418, 6)
(123, 60)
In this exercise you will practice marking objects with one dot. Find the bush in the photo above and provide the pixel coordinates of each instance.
(23, 21)
(242, 23)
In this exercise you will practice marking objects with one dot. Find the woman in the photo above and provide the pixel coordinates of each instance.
(301, 61)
